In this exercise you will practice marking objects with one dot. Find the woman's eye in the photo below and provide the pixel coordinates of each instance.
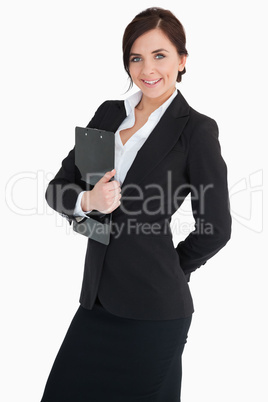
(135, 59)
(159, 56)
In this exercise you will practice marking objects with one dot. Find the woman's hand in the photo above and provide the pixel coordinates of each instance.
(105, 195)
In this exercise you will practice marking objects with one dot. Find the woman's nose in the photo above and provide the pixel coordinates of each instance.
(148, 67)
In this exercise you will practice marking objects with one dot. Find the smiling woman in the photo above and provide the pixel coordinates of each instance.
(167, 24)
(154, 56)
(155, 70)
(127, 337)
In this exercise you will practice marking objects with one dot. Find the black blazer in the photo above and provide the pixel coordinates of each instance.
(140, 274)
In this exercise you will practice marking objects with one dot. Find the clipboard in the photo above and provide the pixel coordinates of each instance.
(94, 156)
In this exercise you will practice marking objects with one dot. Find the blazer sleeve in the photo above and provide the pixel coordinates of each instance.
(62, 191)
(207, 175)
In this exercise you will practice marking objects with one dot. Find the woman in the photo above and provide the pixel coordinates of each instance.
(126, 340)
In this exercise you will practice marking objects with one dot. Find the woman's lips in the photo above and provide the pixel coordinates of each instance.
(151, 83)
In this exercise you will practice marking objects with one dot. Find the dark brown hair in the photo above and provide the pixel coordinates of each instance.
(147, 20)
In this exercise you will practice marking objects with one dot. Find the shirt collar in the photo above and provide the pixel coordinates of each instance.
(132, 101)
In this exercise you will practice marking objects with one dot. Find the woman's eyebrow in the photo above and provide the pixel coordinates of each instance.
(159, 50)
(155, 51)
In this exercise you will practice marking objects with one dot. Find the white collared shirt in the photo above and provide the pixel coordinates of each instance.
(125, 154)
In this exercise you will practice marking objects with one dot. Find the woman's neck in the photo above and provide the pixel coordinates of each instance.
(148, 105)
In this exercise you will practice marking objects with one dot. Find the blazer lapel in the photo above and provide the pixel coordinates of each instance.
(161, 140)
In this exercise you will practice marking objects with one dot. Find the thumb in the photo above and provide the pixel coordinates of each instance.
(107, 176)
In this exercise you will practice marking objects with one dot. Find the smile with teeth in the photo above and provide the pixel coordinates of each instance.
(151, 82)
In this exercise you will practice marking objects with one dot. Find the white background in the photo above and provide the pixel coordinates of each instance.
(60, 60)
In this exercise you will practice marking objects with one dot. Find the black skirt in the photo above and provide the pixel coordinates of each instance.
(106, 358)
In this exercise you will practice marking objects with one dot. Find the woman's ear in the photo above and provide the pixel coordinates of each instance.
(182, 62)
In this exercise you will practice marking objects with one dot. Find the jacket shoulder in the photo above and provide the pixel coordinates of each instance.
(201, 127)
(200, 118)
(108, 106)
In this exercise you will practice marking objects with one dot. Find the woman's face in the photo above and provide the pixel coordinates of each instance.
(154, 64)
